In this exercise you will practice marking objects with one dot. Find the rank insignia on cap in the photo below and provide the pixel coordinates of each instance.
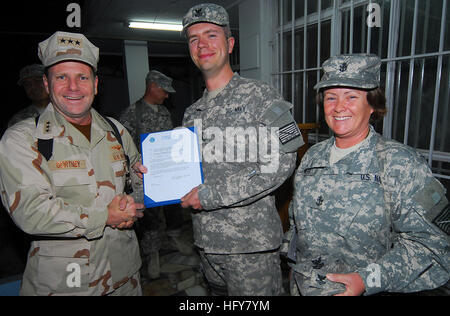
(68, 41)
(361, 71)
(64, 46)
(198, 13)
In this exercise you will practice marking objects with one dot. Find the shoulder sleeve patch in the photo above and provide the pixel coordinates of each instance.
(442, 220)
(432, 199)
(279, 115)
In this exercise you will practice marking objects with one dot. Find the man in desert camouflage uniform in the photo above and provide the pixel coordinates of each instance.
(73, 202)
(30, 78)
(371, 213)
(149, 115)
(236, 224)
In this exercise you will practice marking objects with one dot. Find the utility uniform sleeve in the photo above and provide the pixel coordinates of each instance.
(30, 197)
(289, 244)
(418, 257)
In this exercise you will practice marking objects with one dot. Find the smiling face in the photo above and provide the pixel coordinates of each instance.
(209, 47)
(347, 113)
(72, 87)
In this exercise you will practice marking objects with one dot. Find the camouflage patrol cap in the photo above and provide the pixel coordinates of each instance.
(355, 70)
(206, 12)
(160, 79)
(30, 71)
(63, 46)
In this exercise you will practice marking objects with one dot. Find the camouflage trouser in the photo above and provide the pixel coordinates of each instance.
(149, 233)
(131, 288)
(255, 274)
(293, 287)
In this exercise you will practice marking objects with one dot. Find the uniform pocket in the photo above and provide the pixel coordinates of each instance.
(63, 267)
(70, 178)
(364, 219)
(73, 186)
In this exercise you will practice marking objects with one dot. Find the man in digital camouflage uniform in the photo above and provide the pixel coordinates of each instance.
(236, 224)
(372, 213)
(73, 202)
(149, 115)
(30, 78)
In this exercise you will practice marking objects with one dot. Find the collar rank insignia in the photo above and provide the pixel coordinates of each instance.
(47, 128)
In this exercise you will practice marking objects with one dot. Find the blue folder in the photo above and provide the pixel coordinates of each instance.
(174, 165)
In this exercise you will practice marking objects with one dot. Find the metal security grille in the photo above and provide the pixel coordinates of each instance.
(412, 37)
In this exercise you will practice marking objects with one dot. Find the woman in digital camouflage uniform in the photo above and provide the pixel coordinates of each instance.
(367, 214)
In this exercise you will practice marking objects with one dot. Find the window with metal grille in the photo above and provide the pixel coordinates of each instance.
(412, 37)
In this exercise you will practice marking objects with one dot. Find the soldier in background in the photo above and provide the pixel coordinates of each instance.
(149, 115)
(236, 224)
(71, 198)
(30, 78)
(367, 214)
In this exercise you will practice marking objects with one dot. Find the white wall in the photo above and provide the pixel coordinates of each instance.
(255, 37)
(136, 61)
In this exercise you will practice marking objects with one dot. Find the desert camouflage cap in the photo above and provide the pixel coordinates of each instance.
(63, 46)
(354, 70)
(34, 70)
(206, 12)
(161, 79)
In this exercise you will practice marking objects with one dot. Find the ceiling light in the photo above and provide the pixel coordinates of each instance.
(156, 26)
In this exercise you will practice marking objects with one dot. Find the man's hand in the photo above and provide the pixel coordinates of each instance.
(123, 212)
(139, 169)
(354, 284)
(191, 200)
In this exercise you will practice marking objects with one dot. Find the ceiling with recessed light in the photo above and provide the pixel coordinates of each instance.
(109, 18)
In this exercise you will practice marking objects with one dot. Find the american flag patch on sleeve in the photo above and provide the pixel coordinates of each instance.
(288, 133)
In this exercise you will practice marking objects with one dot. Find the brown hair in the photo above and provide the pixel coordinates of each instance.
(375, 98)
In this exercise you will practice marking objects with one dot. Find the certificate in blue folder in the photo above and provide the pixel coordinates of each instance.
(174, 165)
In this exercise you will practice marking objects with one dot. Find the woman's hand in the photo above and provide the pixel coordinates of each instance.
(354, 284)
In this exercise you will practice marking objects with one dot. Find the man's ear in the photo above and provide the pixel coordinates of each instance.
(45, 81)
(231, 42)
(96, 85)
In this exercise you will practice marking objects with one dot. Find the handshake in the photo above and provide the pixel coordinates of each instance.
(123, 212)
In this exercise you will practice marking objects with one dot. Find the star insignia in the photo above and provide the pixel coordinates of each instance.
(47, 127)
